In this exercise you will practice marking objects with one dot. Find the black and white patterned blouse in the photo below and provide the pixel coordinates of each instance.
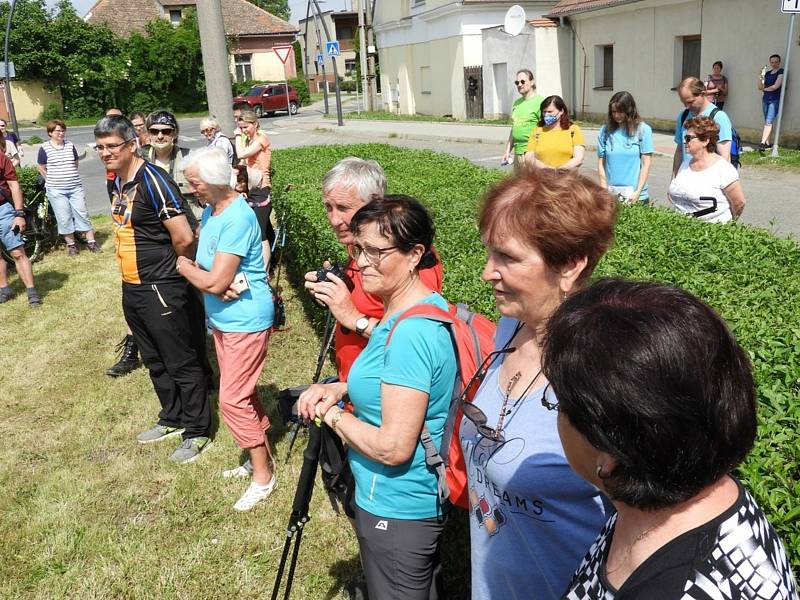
(735, 556)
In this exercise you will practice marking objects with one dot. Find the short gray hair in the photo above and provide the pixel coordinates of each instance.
(212, 164)
(209, 122)
(366, 177)
(115, 125)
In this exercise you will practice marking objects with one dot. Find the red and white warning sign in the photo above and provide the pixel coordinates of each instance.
(283, 52)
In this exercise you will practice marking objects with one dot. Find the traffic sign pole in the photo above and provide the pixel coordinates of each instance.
(340, 119)
(284, 52)
(794, 8)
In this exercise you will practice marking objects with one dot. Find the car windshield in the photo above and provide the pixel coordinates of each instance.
(256, 90)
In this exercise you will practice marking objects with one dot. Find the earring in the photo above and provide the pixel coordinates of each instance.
(600, 472)
(564, 297)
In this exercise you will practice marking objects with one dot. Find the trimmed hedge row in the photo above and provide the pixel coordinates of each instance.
(748, 275)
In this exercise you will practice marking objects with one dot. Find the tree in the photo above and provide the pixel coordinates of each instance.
(279, 8)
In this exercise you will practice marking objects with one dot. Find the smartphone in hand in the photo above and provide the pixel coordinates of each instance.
(240, 283)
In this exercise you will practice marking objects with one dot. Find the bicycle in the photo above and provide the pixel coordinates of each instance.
(41, 232)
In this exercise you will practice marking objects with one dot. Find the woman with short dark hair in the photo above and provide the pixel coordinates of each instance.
(556, 143)
(707, 186)
(396, 388)
(656, 407)
(531, 515)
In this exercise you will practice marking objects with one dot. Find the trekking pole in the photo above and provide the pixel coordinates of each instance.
(327, 340)
(299, 516)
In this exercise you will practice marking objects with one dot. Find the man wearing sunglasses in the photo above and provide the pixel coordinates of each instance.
(163, 149)
(524, 116)
(349, 185)
(153, 227)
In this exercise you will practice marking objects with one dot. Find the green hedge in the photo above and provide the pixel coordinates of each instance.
(748, 275)
(27, 180)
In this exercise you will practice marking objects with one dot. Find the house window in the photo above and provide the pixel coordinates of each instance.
(418, 2)
(244, 67)
(425, 80)
(345, 32)
(349, 66)
(175, 17)
(690, 61)
(604, 67)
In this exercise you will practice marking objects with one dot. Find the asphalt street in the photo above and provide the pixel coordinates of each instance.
(771, 195)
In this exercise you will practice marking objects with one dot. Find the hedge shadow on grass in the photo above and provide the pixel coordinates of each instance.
(747, 274)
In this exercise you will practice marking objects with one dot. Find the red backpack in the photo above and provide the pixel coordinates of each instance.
(473, 340)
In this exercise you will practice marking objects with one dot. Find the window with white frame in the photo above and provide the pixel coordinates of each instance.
(425, 80)
(175, 17)
(244, 66)
(604, 66)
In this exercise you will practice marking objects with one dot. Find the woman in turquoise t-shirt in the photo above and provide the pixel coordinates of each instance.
(231, 274)
(624, 151)
(395, 390)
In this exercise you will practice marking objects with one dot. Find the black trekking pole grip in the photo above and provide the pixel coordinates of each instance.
(308, 472)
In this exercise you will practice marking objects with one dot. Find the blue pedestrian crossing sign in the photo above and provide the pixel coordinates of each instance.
(332, 48)
(320, 59)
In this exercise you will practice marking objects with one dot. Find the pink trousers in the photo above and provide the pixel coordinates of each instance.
(241, 358)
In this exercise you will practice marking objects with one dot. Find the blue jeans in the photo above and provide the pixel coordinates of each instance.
(69, 206)
(770, 108)
(8, 239)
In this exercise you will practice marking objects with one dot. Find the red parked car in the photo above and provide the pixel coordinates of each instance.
(267, 99)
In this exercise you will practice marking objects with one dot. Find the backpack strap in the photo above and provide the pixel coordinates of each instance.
(713, 113)
(436, 458)
(684, 114)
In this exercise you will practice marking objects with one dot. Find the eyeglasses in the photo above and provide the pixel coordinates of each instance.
(520, 82)
(545, 402)
(165, 131)
(373, 255)
(58, 131)
(688, 138)
(113, 148)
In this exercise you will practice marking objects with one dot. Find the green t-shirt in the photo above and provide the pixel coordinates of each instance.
(524, 117)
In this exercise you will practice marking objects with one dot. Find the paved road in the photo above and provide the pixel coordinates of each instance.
(772, 196)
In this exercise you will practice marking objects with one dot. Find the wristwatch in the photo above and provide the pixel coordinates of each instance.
(336, 418)
(361, 325)
(19, 213)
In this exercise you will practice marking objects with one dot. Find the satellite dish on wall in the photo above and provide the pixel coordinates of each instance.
(515, 20)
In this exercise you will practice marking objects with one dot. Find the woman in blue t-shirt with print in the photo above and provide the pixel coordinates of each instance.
(624, 151)
(396, 389)
(770, 82)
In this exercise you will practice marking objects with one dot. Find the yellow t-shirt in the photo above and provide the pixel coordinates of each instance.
(556, 146)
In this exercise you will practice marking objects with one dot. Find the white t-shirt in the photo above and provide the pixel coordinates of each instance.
(693, 191)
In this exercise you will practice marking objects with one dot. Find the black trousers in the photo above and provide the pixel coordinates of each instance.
(167, 322)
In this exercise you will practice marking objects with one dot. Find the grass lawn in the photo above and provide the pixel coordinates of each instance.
(380, 115)
(788, 158)
(88, 512)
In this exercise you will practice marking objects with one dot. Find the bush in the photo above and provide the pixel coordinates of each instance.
(27, 180)
(348, 85)
(34, 139)
(52, 111)
(300, 85)
(748, 275)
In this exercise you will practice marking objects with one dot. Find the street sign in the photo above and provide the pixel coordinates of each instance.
(11, 72)
(320, 59)
(791, 6)
(332, 48)
(283, 52)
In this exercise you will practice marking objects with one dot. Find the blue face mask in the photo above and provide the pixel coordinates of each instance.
(550, 120)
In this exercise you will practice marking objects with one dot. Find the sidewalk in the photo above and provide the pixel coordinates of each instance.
(465, 133)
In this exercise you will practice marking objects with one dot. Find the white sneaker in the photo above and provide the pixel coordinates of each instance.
(245, 470)
(254, 494)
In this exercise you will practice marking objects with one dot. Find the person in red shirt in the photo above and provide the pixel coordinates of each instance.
(349, 185)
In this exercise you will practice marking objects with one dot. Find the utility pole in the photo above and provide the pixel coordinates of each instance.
(372, 92)
(362, 52)
(215, 62)
(321, 65)
(335, 68)
(789, 43)
(9, 100)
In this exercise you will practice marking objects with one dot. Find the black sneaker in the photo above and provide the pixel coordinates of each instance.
(129, 358)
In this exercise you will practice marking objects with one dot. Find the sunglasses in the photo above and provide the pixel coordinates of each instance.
(165, 131)
(470, 410)
(520, 82)
(688, 138)
(545, 402)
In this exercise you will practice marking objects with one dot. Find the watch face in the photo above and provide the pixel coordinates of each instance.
(362, 324)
